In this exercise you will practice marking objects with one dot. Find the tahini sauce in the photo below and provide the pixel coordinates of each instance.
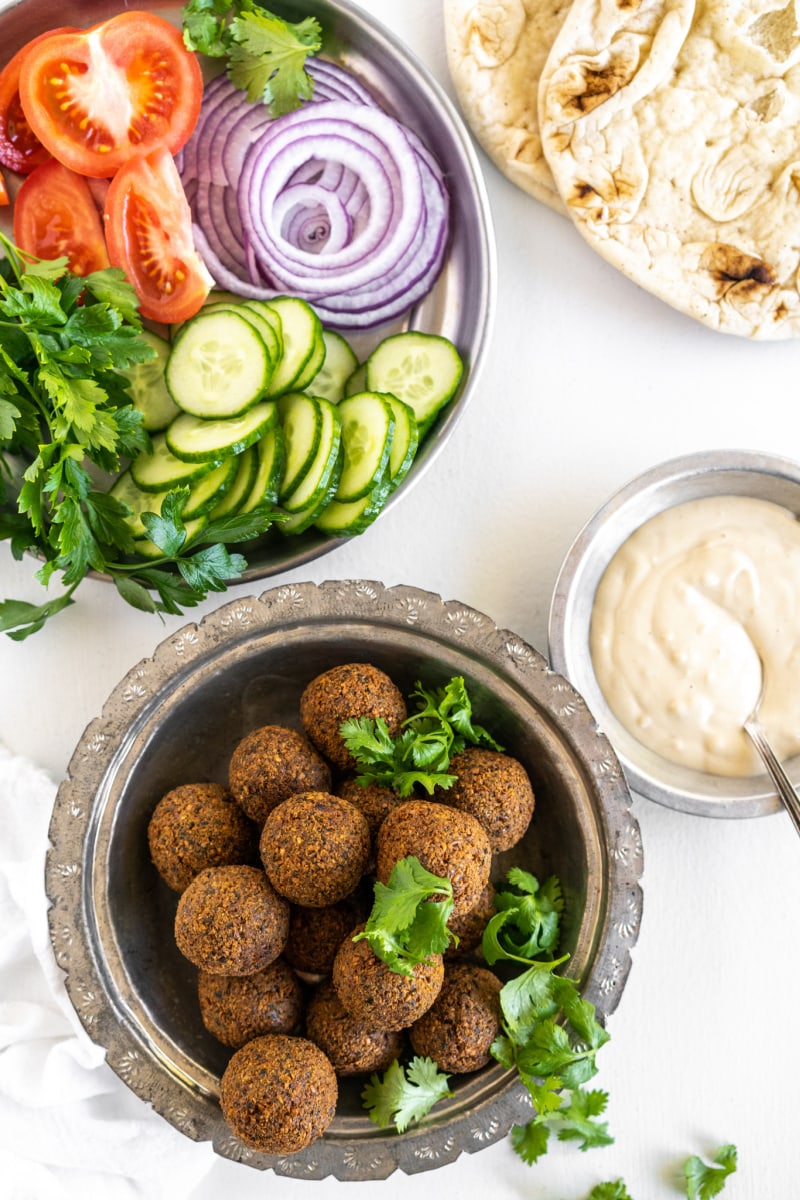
(685, 609)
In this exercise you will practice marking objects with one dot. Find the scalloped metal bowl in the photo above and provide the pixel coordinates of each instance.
(461, 303)
(176, 718)
(691, 477)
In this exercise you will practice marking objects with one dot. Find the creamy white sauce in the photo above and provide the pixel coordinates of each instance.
(689, 609)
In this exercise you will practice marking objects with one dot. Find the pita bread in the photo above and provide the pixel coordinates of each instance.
(672, 130)
(495, 53)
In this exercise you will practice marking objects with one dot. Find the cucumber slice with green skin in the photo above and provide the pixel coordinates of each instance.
(270, 470)
(234, 498)
(127, 492)
(273, 319)
(148, 389)
(195, 440)
(301, 420)
(357, 382)
(367, 430)
(345, 519)
(259, 321)
(405, 441)
(303, 346)
(315, 483)
(215, 296)
(340, 363)
(208, 491)
(304, 518)
(219, 366)
(422, 369)
(160, 470)
(147, 549)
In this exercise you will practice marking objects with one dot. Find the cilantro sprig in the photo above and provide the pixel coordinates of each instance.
(549, 1033)
(707, 1179)
(266, 55)
(407, 926)
(65, 416)
(405, 1095)
(441, 727)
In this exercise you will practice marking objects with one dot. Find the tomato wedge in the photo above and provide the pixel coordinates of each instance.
(55, 214)
(96, 96)
(4, 196)
(148, 226)
(20, 149)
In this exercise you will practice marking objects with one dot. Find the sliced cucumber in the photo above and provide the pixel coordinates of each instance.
(303, 345)
(215, 296)
(304, 518)
(367, 429)
(357, 382)
(213, 487)
(340, 363)
(160, 470)
(269, 322)
(405, 440)
(314, 486)
(344, 519)
(422, 369)
(195, 440)
(148, 388)
(301, 420)
(219, 366)
(127, 492)
(234, 498)
(270, 469)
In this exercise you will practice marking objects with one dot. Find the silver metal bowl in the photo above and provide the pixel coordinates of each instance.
(709, 473)
(176, 718)
(461, 304)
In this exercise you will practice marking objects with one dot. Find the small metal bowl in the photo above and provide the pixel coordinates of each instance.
(176, 717)
(692, 477)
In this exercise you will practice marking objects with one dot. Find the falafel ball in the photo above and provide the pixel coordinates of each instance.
(468, 927)
(352, 1045)
(271, 764)
(231, 921)
(315, 934)
(350, 690)
(315, 848)
(278, 1093)
(237, 1008)
(457, 1031)
(449, 843)
(198, 825)
(374, 801)
(495, 788)
(371, 992)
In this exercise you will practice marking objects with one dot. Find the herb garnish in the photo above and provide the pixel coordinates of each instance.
(406, 926)
(266, 55)
(614, 1190)
(441, 727)
(405, 1096)
(704, 1180)
(64, 408)
(550, 1034)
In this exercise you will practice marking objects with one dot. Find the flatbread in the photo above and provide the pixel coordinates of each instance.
(672, 130)
(495, 54)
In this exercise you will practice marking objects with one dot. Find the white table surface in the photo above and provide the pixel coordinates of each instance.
(588, 382)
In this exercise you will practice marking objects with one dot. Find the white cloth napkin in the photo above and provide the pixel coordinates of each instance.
(68, 1126)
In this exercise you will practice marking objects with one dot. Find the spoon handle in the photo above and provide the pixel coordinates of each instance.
(783, 783)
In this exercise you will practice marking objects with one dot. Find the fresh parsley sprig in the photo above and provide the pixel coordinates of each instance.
(441, 727)
(407, 925)
(65, 416)
(405, 1095)
(549, 1033)
(266, 55)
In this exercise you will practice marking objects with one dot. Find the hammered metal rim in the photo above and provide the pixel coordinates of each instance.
(68, 871)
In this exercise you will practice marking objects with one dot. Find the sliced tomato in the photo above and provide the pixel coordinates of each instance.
(4, 196)
(148, 226)
(55, 214)
(97, 96)
(20, 149)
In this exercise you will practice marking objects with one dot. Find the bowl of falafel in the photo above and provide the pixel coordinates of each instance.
(285, 859)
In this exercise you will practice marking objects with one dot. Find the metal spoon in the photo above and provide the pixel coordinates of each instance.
(783, 784)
